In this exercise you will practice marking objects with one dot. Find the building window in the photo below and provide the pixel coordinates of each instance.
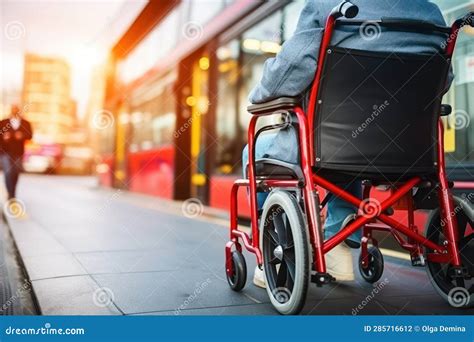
(202, 11)
(152, 118)
(240, 64)
(157, 44)
(291, 15)
(227, 108)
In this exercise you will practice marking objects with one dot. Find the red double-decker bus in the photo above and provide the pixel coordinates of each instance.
(178, 86)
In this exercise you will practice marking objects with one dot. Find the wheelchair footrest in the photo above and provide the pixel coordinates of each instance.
(418, 260)
(321, 279)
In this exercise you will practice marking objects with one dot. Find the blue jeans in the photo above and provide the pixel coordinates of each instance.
(12, 167)
(337, 209)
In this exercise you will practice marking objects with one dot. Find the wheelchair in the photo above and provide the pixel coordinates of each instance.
(402, 149)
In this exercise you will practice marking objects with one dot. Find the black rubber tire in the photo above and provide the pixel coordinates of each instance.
(457, 296)
(374, 271)
(283, 228)
(239, 276)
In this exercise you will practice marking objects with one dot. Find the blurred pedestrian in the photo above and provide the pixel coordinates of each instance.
(14, 131)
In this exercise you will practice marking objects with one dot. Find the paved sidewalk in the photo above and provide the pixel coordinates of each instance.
(98, 251)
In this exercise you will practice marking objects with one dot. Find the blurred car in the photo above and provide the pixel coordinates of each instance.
(42, 158)
(76, 160)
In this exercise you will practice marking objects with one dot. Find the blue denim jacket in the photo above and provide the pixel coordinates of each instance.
(292, 71)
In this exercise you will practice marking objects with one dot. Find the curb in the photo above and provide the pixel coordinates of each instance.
(22, 266)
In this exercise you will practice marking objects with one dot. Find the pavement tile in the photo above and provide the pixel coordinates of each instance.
(424, 305)
(235, 310)
(161, 291)
(71, 296)
(43, 246)
(52, 265)
(32, 239)
(129, 261)
(348, 306)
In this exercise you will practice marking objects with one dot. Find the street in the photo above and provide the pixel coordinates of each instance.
(97, 251)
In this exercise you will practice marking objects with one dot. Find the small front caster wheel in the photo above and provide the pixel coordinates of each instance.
(374, 268)
(239, 274)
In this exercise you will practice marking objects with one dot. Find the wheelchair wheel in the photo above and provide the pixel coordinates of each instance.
(239, 275)
(285, 249)
(458, 292)
(374, 269)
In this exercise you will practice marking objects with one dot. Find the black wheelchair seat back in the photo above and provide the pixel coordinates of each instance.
(377, 113)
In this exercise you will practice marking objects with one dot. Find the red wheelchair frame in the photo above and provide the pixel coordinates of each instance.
(448, 253)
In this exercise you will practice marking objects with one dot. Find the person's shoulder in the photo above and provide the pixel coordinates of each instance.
(314, 13)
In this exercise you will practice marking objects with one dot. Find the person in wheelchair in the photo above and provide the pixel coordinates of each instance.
(291, 73)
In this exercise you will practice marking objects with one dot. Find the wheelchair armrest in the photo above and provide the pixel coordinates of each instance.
(276, 106)
(445, 110)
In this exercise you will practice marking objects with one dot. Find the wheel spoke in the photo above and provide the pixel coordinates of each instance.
(282, 275)
(466, 240)
(273, 234)
(291, 268)
(460, 282)
(280, 228)
(289, 254)
(274, 261)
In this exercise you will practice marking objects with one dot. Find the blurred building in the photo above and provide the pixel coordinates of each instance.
(94, 109)
(47, 98)
(8, 96)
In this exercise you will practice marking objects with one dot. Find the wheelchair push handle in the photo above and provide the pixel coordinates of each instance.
(345, 9)
(468, 19)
